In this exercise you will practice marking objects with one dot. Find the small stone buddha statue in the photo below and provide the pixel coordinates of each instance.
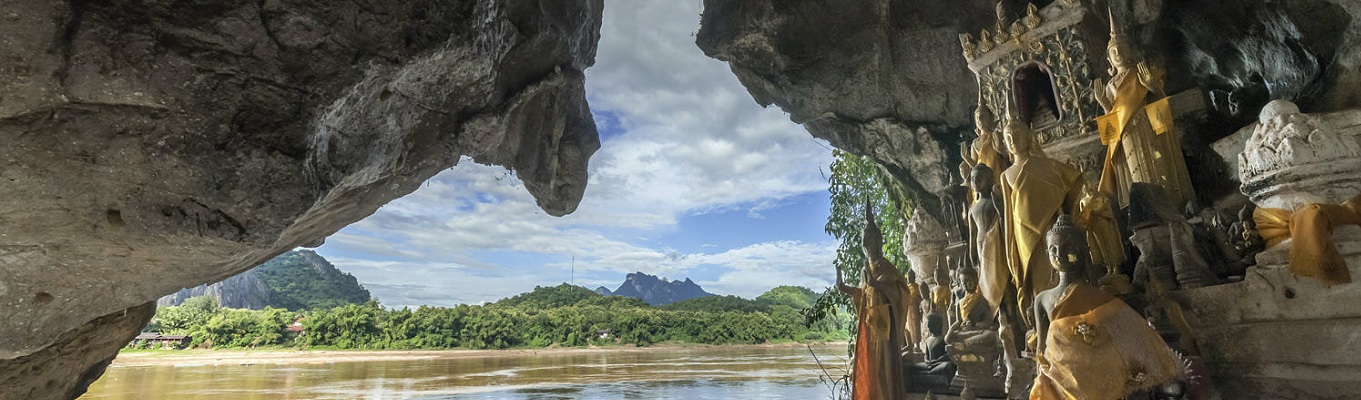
(936, 370)
(974, 344)
(1091, 344)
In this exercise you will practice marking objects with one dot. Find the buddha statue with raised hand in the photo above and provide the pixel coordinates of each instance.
(877, 369)
(1091, 344)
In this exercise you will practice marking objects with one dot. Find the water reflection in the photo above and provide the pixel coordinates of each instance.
(766, 373)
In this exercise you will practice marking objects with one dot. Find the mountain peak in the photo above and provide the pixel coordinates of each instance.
(657, 291)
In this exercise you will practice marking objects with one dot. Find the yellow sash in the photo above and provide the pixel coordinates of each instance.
(1312, 253)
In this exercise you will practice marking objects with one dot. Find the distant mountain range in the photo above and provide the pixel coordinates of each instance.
(655, 291)
(299, 279)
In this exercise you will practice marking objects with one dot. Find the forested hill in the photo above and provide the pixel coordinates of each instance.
(295, 280)
(563, 315)
(301, 279)
(791, 297)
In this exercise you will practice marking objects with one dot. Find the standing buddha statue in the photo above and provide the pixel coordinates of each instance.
(1140, 143)
(987, 148)
(1035, 190)
(877, 369)
(1107, 246)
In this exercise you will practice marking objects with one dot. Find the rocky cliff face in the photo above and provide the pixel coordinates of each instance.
(657, 291)
(299, 279)
(241, 291)
(150, 145)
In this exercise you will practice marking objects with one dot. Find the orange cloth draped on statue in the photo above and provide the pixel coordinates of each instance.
(1098, 348)
(878, 372)
(1041, 188)
(1312, 252)
(993, 275)
(1129, 98)
(914, 313)
(863, 378)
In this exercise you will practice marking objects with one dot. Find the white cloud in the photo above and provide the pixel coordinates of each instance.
(687, 140)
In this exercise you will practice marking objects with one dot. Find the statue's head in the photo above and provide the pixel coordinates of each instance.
(968, 278)
(1018, 136)
(980, 179)
(1118, 49)
(872, 240)
(1067, 245)
(934, 324)
(983, 118)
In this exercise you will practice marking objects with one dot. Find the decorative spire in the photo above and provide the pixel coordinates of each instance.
(871, 236)
(1117, 38)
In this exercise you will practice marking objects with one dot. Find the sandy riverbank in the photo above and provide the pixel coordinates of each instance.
(238, 357)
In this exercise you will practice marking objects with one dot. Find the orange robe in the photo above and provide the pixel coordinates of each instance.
(1098, 348)
(878, 369)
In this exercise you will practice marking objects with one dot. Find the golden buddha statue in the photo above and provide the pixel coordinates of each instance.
(1140, 143)
(877, 369)
(1095, 215)
(912, 305)
(1091, 344)
(1035, 190)
(987, 147)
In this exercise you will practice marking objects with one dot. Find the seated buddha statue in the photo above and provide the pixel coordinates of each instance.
(972, 339)
(936, 369)
(1091, 344)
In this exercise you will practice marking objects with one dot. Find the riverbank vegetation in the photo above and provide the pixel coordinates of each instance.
(562, 315)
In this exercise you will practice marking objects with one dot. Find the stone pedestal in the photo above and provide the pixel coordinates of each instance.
(924, 246)
(1277, 335)
(1294, 159)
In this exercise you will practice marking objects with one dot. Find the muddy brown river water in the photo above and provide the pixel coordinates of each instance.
(669, 373)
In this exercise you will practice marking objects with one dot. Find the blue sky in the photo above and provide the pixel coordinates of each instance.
(693, 180)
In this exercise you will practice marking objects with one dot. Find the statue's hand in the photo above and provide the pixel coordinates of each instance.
(1099, 91)
(1152, 78)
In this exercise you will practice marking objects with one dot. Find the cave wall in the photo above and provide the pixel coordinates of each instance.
(151, 145)
(887, 78)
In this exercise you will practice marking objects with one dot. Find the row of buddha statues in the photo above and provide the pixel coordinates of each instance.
(1034, 287)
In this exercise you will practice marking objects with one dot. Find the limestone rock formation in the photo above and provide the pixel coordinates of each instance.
(299, 279)
(245, 290)
(150, 145)
(657, 291)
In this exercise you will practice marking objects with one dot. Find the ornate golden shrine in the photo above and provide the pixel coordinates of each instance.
(1044, 56)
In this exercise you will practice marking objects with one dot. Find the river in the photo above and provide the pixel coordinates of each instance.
(739, 372)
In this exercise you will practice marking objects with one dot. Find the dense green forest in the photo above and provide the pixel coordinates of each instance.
(563, 315)
(301, 279)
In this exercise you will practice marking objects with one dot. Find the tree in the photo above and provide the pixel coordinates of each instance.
(854, 179)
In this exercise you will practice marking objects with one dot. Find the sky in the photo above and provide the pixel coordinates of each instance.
(693, 180)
